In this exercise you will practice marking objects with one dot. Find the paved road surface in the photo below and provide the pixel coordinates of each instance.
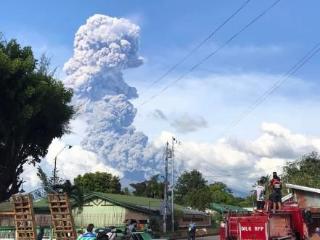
(208, 238)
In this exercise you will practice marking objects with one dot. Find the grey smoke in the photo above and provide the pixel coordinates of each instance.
(159, 115)
(186, 123)
(104, 47)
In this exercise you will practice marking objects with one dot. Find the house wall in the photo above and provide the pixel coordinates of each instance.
(307, 199)
(6, 220)
(199, 220)
(129, 214)
(99, 212)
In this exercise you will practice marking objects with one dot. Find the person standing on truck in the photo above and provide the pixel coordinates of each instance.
(260, 194)
(275, 185)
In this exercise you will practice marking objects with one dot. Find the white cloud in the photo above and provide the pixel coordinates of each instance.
(70, 163)
(75, 161)
(241, 163)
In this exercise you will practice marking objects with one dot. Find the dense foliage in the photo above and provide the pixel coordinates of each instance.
(153, 188)
(65, 186)
(192, 190)
(98, 182)
(304, 171)
(34, 109)
(189, 187)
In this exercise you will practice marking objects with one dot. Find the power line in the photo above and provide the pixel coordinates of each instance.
(296, 67)
(214, 52)
(197, 47)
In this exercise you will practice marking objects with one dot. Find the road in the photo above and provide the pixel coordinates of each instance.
(208, 238)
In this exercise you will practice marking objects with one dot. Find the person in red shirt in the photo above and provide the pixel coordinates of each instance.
(275, 185)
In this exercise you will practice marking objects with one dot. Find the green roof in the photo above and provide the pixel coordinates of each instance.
(223, 208)
(140, 204)
(39, 206)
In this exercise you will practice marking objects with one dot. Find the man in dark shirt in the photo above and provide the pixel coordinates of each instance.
(275, 185)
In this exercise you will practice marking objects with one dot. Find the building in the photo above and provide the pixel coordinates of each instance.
(104, 209)
(308, 200)
(225, 208)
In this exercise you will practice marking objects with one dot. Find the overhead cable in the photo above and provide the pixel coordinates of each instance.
(197, 47)
(296, 67)
(255, 19)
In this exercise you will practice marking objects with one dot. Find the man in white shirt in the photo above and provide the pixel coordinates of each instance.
(260, 194)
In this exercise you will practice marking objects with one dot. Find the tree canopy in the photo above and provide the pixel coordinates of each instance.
(98, 182)
(34, 109)
(189, 187)
(152, 188)
(304, 171)
(222, 194)
(50, 185)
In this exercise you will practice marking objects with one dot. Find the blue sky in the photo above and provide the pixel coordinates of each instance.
(168, 26)
(214, 95)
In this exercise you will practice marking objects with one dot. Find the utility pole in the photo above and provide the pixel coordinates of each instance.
(174, 140)
(165, 200)
(55, 164)
(172, 183)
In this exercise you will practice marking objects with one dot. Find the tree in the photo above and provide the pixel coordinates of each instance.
(152, 188)
(222, 194)
(126, 191)
(64, 186)
(34, 109)
(304, 171)
(199, 198)
(98, 182)
(188, 183)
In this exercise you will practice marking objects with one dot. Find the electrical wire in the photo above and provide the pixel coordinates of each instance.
(255, 19)
(197, 47)
(296, 67)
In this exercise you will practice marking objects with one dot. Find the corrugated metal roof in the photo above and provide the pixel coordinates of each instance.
(140, 204)
(223, 208)
(39, 206)
(303, 188)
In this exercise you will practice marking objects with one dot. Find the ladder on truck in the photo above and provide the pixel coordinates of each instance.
(24, 217)
(61, 217)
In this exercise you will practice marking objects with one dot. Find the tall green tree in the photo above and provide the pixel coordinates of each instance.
(188, 184)
(199, 198)
(98, 182)
(153, 188)
(222, 194)
(304, 171)
(34, 109)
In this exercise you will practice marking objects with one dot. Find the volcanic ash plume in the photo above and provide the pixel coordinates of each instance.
(103, 48)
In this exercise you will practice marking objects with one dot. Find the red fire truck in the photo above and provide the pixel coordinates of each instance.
(299, 218)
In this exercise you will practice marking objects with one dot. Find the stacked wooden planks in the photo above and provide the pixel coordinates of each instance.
(24, 217)
(61, 217)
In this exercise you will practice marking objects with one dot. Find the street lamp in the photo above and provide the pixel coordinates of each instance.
(55, 163)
